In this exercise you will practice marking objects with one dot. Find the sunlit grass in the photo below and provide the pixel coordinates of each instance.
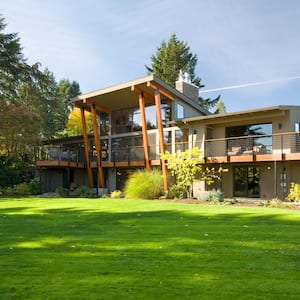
(139, 249)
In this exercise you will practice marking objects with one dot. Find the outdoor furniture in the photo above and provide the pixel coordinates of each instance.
(234, 151)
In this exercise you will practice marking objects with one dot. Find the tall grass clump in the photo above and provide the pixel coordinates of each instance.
(144, 184)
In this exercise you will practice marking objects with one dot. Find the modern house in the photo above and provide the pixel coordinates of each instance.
(135, 121)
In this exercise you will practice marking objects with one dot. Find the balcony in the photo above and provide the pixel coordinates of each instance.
(256, 148)
(62, 156)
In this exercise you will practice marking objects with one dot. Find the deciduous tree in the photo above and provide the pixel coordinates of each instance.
(74, 125)
(188, 167)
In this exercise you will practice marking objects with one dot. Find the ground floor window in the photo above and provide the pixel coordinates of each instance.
(246, 181)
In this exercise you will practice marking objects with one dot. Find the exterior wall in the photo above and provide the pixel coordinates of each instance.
(80, 177)
(295, 172)
(219, 149)
(198, 188)
(189, 111)
(227, 181)
(196, 135)
(267, 180)
(50, 179)
(111, 180)
(270, 187)
(294, 118)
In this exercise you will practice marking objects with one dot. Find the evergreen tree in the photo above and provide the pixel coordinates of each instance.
(66, 91)
(170, 58)
(32, 105)
(14, 71)
(220, 107)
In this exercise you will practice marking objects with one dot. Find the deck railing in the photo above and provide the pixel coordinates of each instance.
(284, 143)
(279, 144)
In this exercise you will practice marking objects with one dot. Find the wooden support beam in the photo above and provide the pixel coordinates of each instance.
(144, 130)
(162, 90)
(98, 147)
(86, 104)
(146, 95)
(98, 106)
(86, 149)
(161, 137)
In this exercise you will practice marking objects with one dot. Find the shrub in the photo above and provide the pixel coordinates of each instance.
(84, 192)
(230, 201)
(8, 191)
(116, 194)
(34, 186)
(211, 196)
(294, 194)
(144, 184)
(22, 189)
(177, 191)
(204, 196)
(274, 203)
(63, 192)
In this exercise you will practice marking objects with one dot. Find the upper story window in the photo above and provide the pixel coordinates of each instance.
(104, 123)
(209, 133)
(253, 129)
(259, 135)
(129, 119)
(179, 111)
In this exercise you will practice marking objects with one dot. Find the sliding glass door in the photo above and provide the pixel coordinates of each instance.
(246, 182)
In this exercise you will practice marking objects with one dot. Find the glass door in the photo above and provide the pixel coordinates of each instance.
(246, 182)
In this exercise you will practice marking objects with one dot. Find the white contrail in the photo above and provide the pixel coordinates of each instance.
(250, 84)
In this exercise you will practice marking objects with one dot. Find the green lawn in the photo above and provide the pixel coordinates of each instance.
(134, 249)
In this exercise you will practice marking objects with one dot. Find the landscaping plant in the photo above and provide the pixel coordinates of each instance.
(187, 167)
(294, 194)
(144, 184)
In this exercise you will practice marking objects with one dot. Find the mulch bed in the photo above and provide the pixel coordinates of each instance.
(244, 202)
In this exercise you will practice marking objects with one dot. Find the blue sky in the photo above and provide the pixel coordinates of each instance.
(102, 43)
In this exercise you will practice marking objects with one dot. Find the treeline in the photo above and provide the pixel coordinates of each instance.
(33, 106)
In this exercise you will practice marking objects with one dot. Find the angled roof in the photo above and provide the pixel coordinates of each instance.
(253, 113)
(121, 95)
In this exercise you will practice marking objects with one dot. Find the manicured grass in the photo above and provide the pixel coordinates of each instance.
(134, 249)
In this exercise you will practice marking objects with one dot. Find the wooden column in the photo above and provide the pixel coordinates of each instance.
(161, 137)
(98, 147)
(86, 149)
(144, 130)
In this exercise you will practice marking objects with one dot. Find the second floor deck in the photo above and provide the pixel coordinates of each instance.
(275, 147)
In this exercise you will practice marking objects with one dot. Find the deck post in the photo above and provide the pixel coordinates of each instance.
(98, 147)
(144, 130)
(86, 148)
(161, 137)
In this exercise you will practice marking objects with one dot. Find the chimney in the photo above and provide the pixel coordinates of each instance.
(185, 86)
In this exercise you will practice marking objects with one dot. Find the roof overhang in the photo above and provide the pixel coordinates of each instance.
(126, 95)
(267, 112)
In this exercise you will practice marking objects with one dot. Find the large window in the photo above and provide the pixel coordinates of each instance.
(127, 148)
(255, 137)
(104, 123)
(181, 139)
(129, 119)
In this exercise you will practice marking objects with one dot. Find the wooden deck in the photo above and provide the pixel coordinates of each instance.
(66, 164)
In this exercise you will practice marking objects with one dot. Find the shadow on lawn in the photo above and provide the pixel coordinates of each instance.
(67, 253)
